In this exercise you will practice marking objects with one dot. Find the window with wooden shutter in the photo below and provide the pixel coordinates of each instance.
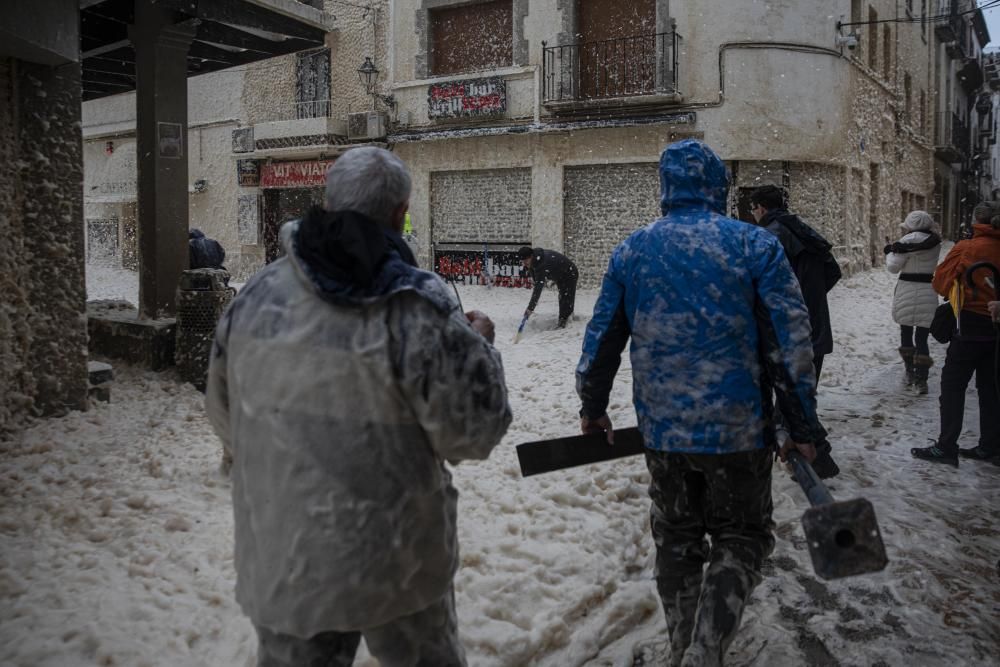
(471, 38)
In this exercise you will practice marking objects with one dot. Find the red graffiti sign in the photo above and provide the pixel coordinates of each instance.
(294, 174)
(474, 97)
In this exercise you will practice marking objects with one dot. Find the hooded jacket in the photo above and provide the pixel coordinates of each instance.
(914, 301)
(203, 252)
(814, 266)
(341, 379)
(715, 316)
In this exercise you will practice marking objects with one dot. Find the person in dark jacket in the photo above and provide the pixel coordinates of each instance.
(817, 272)
(557, 267)
(203, 252)
(713, 314)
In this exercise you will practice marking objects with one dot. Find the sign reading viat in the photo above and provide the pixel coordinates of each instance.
(294, 174)
(473, 97)
(470, 265)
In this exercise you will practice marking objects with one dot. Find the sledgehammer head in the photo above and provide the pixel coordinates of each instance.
(844, 539)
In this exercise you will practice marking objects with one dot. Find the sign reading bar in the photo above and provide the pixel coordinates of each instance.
(473, 97)
(294, 174)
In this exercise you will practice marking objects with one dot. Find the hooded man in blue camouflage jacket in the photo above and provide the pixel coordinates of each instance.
(717, 321)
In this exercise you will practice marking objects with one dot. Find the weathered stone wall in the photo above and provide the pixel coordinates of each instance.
(269, 90)
(362, 32)
(43, 337)
(602, 205)
(484, 206)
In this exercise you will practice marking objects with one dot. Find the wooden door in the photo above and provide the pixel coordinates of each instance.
(618, 47)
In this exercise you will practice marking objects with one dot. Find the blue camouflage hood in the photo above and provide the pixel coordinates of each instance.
(692, 176)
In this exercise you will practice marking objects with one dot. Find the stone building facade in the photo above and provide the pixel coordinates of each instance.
(109, 132)
(778, 89)
(541, 122)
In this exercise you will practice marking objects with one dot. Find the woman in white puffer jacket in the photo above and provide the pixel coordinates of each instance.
(914, 258)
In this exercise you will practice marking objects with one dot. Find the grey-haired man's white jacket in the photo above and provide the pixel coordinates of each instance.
(340, 404)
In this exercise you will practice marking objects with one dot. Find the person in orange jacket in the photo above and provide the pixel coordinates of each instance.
(973, 347)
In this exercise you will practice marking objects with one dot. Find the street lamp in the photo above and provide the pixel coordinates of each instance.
(368, 75)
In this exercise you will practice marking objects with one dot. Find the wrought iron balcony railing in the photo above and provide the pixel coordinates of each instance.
(610, 68)
(293, 111)
(951, 137)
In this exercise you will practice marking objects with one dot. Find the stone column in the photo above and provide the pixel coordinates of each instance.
(162, 162)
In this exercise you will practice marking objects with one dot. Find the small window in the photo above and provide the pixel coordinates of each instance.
(471, 38)
(873, 31)
(887, 52)
(921, 112)
(907, 90)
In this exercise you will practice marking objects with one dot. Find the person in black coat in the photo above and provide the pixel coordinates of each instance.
(203, 252)
(817, 271)
(557, 267)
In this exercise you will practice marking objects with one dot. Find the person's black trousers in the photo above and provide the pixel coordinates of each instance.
(567, 295)
(964, 358)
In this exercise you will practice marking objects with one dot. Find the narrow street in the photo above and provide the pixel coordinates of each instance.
(118, 529)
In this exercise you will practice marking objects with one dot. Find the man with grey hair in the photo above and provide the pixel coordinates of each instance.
(341, 380)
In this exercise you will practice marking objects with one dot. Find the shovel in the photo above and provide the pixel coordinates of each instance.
(844, 539)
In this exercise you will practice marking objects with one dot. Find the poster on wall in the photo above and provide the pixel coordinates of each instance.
(170, 139)
(473, 97)
(243, 140)
(248, 219)
(248, 173)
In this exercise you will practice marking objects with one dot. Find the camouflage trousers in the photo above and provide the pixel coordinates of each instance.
(725, 497)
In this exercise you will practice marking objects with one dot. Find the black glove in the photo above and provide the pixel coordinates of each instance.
(887, 249)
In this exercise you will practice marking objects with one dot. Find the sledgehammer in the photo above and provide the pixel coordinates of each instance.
(844, 539)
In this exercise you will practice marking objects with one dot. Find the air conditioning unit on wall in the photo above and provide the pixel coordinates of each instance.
(366, 125)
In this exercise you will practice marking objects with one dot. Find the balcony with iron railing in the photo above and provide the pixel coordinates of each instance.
(311, 122)
(951, 137)
(644, 67)
(946, 29)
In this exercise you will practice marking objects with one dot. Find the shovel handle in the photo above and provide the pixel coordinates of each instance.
(811, 484)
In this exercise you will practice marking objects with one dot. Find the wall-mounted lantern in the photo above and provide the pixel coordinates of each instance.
(368, 75)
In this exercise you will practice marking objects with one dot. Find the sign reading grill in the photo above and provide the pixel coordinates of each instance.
(473, 97)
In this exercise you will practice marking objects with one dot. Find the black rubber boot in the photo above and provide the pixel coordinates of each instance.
(934, 454)
(907, 354)
(921, 369)
(977, 453)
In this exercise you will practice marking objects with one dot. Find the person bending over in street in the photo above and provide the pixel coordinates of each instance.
(342, 379)
(557, 267)
(817, 272)
(914, 300)
(718, 326)
(973, 347)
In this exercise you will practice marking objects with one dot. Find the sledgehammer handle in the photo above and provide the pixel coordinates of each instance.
(811, 484)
